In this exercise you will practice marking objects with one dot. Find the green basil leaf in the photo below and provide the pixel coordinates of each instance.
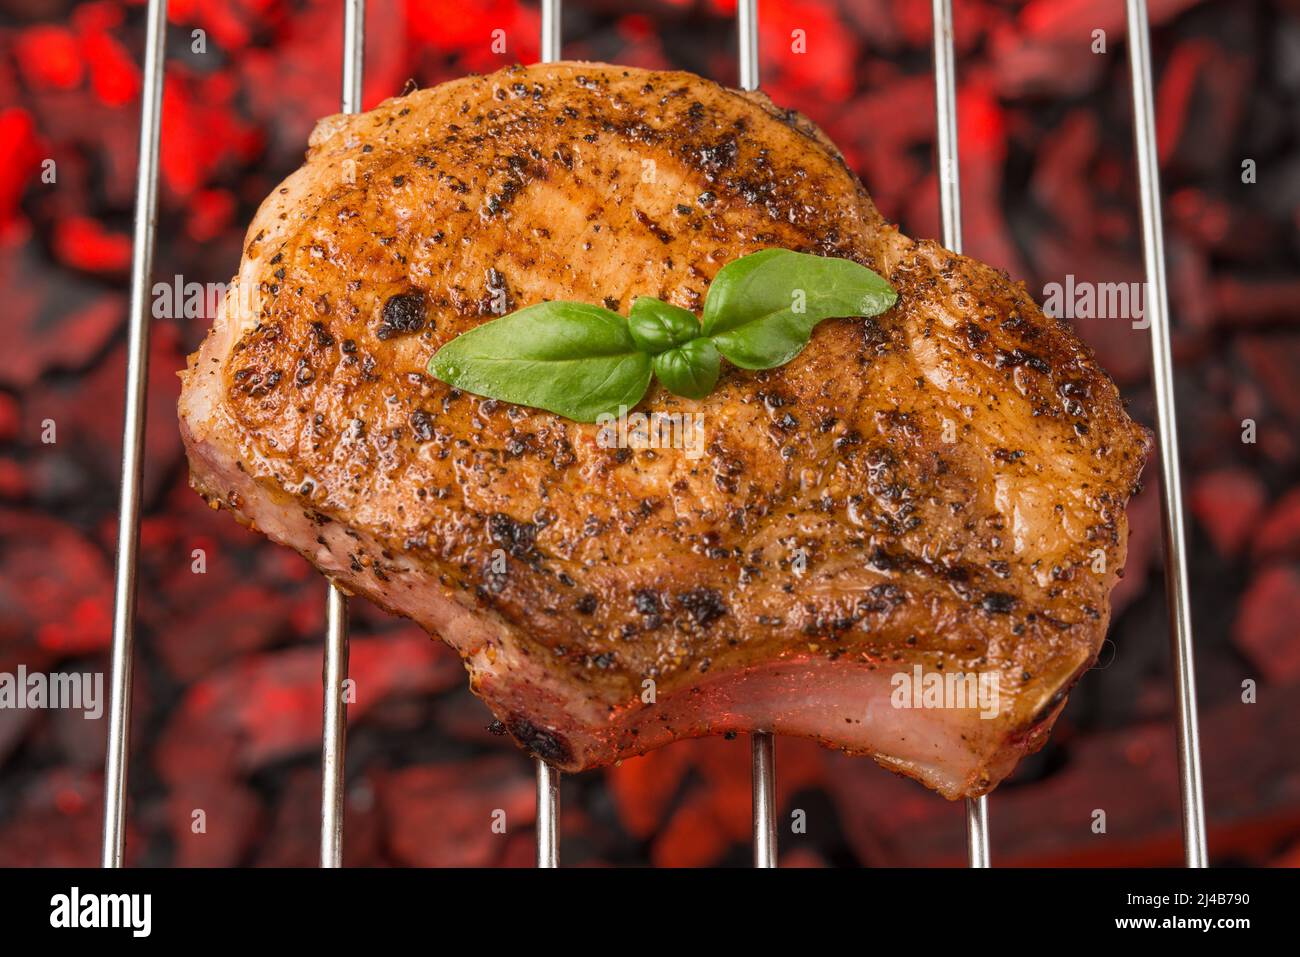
(570, 358)
(657, 326)
(761, 309)
(690, 370)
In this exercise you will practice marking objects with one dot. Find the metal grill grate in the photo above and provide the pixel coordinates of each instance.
(334, 672)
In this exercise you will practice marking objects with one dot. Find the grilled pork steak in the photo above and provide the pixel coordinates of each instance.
(938, 491)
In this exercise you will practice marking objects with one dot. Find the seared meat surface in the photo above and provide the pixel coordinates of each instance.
(941, 486)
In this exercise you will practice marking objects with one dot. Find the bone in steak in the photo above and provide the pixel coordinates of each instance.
(942, 486)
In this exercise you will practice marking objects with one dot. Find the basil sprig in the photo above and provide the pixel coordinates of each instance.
(579, 360)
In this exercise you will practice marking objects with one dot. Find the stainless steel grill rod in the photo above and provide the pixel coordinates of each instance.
(137, 377)
(334, 717)
(764, 798)
(1162, 381)
(762, 744)
(945, 101)
(548, 778)
(548, 815)
(747, 38)
(551, 30)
